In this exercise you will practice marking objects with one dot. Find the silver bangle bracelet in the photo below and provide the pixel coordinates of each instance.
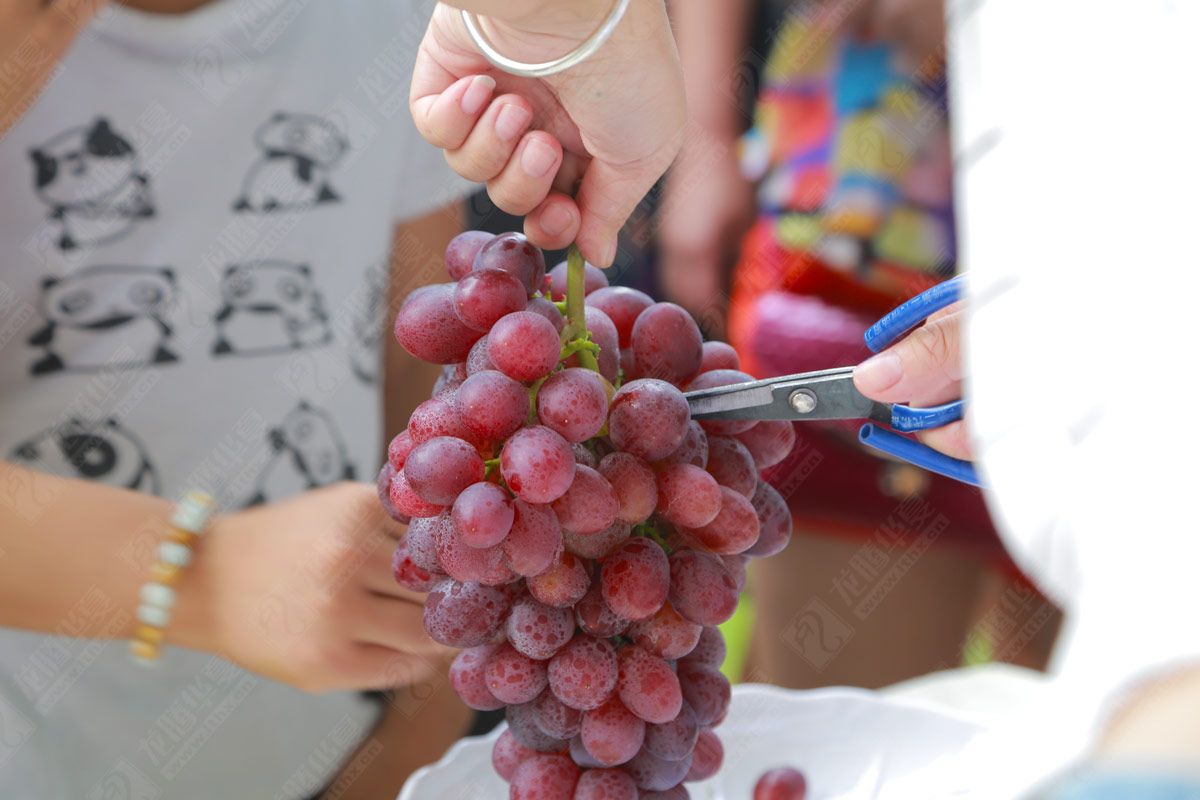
(546, 68)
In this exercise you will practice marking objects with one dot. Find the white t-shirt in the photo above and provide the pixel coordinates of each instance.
(195, 220)
(1076, 182)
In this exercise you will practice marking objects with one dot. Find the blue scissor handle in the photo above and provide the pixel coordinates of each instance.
(891, 327)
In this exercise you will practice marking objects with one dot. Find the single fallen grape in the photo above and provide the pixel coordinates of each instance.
(465, 614)
(513, 253)
(673, 740)
(635, 579)
(702, 590)
(537, 464)
(706, 758)
(572, 403)
(428, 328)
(774, 521)
(534, 543)
(595, 617)
(593, 279)
(589, 505)
(666, 344)
(461, 252)
(666, 634)
(563, 585)
(514, 677)
(482, 515)
(622, 305)
(467, 678)
(733, 530)
(544, 777)
(583, 674)
(492, 405)
(781, 783)
(442, 467)
(524, 346)
(718, 355)
(648, 418)
(555, 718)
(688, 496)
(611, 733)
(605, 784)
(647, 685)
(769, 441)
(651, 772)
(634, 483)
(538, 630)
(732, 465)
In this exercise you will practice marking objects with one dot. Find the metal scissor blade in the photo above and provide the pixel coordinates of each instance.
(824, 395)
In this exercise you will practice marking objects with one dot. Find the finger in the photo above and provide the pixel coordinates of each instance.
(526, 180)
(554, 224)
(492, 141)
(606, 198)
(950, 439)
(374, 666)
(925, 364)
(391, 622)
(446, 118)
(62, 20)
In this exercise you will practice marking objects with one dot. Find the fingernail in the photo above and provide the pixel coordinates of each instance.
(610, 255)
(555, 220)
(477, 93)
(538, 158)
(878, 373)
(512, 121)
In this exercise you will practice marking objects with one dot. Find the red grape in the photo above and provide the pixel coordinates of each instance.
(718, 355)
(666, 634)
(544, 777)
(482, 515)
(399, 448)
(428, 328)
(666, 344)
(605, 784)
(486, 295)
(461, 252)
(732, 465)
(463, 562)
(513, 253)
(733, 530)
(524, 346)
(774, 521)
(478, 359)
(579, 753)
(711, 380)
(583, 455)
(611, 733)
(634, 483)
(408, 502)
(706, 758)
(466, 677)
(622, 305)
(522, 721)
(439, 469)
(584, 673)
(781, 783)
(508, 754)
(604, 335)
(688, 496)
(597, 545)
(651, 772)
(543, 307)
(589, 506)
(514, 677)
(702, 590)
(769, 442)
(534, 542)
(465, 614)
(563, 585)
(635, 579)
(538, 630)
(422, 537)
(436, 417)
(537, 464)
(710, 650)
(648, 418)
(572, 403)
(408, 574)
(596, 618)
(499, 574)
(647, 685)
(492, 405)
(673, 740)
(593, 279)
(555, 718)
(705, 689)
(693, 449)
(678, 792)
(736, 565)
(383, 489)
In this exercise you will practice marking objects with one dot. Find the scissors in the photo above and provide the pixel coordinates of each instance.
(830, 395)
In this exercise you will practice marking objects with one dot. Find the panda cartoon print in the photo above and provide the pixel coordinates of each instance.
(89, 179)
(102, 451)
(292, 174)
(306, 452)
(269, 306)
(105, 317)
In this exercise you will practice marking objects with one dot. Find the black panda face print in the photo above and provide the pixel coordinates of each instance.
(89, 179)
(269, 307)
(306, 452)
(299, 151)
(104, 451)
(103, 318)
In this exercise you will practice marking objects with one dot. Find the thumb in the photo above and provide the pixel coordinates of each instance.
(923, 368)
(606, 198)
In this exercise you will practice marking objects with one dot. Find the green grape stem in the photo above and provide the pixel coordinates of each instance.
(576, 334)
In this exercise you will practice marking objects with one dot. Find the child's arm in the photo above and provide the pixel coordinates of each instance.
(34, 36)
(299, 591)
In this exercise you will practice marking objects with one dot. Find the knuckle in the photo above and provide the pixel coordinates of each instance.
(510, 198)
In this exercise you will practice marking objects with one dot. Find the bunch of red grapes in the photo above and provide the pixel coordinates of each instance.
(578, 533)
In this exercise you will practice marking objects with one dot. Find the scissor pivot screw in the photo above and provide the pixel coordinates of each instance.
(802, 401)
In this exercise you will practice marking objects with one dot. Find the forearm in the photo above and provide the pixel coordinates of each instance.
(712, 36)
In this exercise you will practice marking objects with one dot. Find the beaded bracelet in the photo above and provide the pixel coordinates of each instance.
(157, 597)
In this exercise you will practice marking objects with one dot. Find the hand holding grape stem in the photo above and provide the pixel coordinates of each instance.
(611, 125)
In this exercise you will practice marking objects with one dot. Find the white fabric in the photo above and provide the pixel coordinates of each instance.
(1076, 186)
(191, 298)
